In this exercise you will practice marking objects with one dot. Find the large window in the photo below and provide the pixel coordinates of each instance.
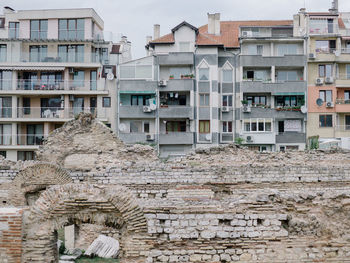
(204, 126)
(100, 55)
(5, 80)
(227, 126)
(51, 81)
(326, 95)
(204, 99)
(288, 75)
(257, 75)
(13, 30)
(5, 134)
(256, 100)
(203, 74)
(50, 107)
(176, 126)
(140, 100)
(35, 134)
(326, 121)
(38, 29)
(172, 98)
(37, 53)
(71, 53)
(325, 46)
(325, 71)
(25, 155)
(289, 101)
(79, 78)
(287, 49)
(347, 71)
(227, 100)
(3, 53)
(5, 107)
(258, 125)
(71, 29)
(321, 26)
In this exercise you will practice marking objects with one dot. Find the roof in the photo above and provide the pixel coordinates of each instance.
(115, 49)
(229, 36)
(322, 14)
(341, 23)
(184, 23)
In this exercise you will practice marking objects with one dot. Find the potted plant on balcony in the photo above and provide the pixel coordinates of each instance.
(244, 102)
(171, 77)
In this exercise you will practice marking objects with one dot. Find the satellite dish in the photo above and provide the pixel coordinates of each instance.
(110, 76)
(319, 102)
(122, 127)
(153, 106)
(303, 109)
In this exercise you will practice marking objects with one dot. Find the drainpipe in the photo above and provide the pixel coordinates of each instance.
(195, 116)
(157, 112)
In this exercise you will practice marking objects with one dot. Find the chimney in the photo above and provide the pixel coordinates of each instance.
(124, 39)
(156, 31)
(335, 7)
(214, 24)
(302, 10)
(148, 39)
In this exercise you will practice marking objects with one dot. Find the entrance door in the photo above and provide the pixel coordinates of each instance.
(93, 104)
(281, 126)
(347, 122)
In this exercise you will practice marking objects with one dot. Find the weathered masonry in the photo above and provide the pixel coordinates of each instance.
(223, 204)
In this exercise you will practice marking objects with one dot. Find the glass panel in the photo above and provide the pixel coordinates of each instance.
(93, 80)
(328, 96)
(329, 70)
(79, 77)
(78, 105)
(227, 75)
(281, 75)
(80, 53)
(34, 25)
(348, 71)
(62, 53)
(3, 53)
(204, 74)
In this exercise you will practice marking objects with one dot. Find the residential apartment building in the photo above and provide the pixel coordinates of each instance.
(188, 92)
(328, 48)
(54, 64)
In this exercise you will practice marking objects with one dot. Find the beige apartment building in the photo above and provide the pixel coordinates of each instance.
(54, 64)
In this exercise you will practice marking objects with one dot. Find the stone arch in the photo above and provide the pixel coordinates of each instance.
(63, 205)
(33, 180)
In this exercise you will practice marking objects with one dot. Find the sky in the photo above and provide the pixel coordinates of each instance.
(135, 18)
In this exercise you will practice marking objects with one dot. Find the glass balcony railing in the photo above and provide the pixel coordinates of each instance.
(30, 139)
(76, 85)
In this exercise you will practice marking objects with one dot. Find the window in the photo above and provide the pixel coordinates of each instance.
(255, 49)
(100, 55)
(135, 126)
(3, 153)
(3, 53)
(78, 105)
(93, 80)
(71, 53)
(71, 29)
(288, 76)
(25, 155)
(227, 100)
(5, 107)
(204, 100)
(227, 75)
(203, 74)
(5, 80)
(326, 95)
(348, 71)
(140, 100)
(177, 72)
(257, 125)
(347, 96)
(106, 102)
(51, 81)
(256, 100)
(5, 134)
(325, 71)
(78, 79)
(289, 101)
(176, 126)
(257, 75)
(146, 127)
(38, 29)
(326, 121)
(184, 46)
(172, 98)
(13, 29)
(204, 126)
(26, 106)
(287, 49)
(227, 126)
(321, 26)
(35, 134)
(37, 53)
(325, 46)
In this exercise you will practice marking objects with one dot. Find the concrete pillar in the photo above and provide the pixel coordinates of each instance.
(69, 237)
(14, 133)
(66, 79)
(14, 107)
(66, 106)
(273, 73)
(46, 129)
(14, 79)
(272, 52)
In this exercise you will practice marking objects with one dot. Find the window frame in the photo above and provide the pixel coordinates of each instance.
(206, 126)
(228, 125)
(229, 100)
(325, 121)
(206, 99)
(39, 30)
(106, 102)
(67, 29)
(324, 95)
(324, 71)
(14, 29)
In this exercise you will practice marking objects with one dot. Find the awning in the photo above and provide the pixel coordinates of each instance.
(346, 38)
(288, 94)
(137, 92)
(32, 68)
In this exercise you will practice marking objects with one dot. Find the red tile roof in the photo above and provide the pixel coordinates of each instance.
(115, 49)
(229, 36)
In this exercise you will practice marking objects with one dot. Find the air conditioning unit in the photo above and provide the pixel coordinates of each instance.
(329, 80)
(246, 108)
(147, 109)
(312, 56)
(162, 83)
(249, 139)
(330, 105)
(319, 81)
(225, 109)
(150, 137)
(247, 34)
(71, 70)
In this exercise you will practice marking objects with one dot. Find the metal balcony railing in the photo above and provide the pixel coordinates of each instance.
(342, 101)
(79, 85)
(56, 112)
(323, 28)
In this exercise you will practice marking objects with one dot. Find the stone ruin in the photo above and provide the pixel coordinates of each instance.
(223, 204)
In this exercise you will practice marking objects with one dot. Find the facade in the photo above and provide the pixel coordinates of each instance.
(328, 75)
(53, 65)
(199, 78)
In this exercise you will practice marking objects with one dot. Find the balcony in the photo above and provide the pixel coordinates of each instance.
(176, 138)
(283, 61)
(323, 28)
(61, 85)
(30, 139)
(176, 58)
(258, 112)
(176, 112)
(55, 113)
(342, 106)
(291, 137)
(258, 137)
(342, 81)
(135, 138)
(135, 112)
(273, 87)
(178, 85)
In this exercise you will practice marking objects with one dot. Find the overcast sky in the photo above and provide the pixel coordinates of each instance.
(135, 18)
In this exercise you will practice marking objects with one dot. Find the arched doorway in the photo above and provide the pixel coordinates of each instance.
(30, 182)
(62, 205)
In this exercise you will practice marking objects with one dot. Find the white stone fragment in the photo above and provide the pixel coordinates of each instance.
(104, 247)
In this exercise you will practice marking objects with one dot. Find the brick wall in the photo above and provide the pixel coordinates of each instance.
(10, 235)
